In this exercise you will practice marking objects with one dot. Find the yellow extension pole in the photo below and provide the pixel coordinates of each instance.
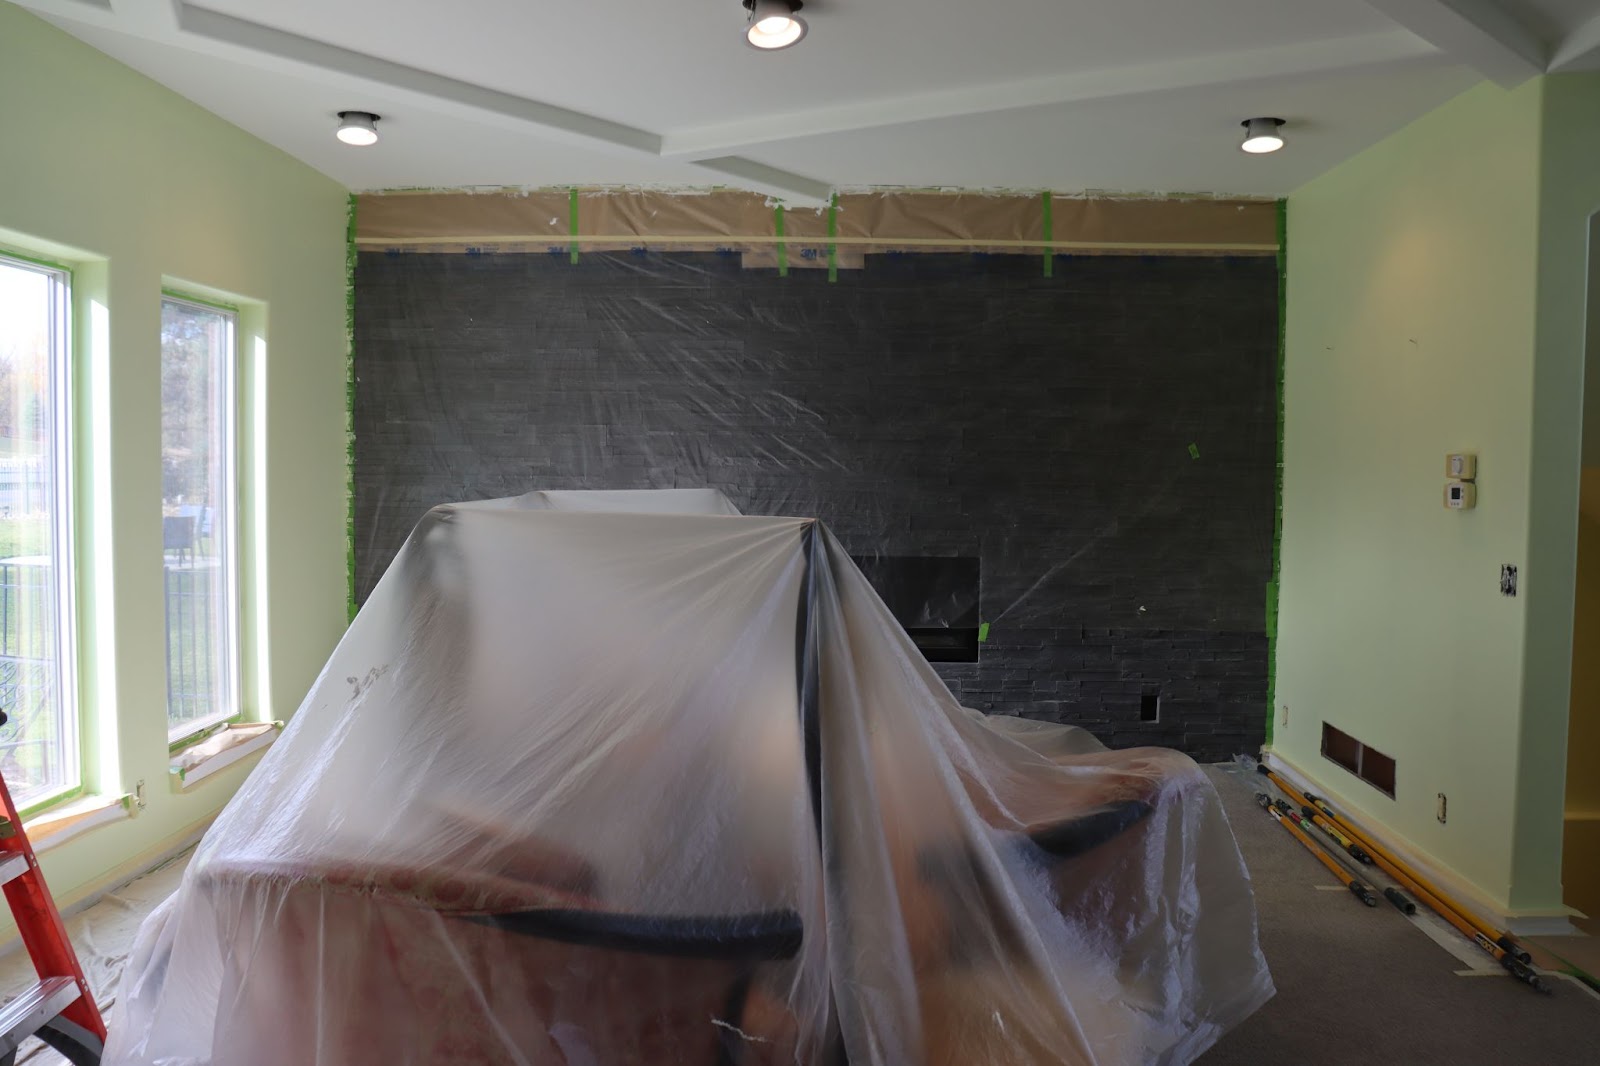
(1415, 882)
(1348, 880)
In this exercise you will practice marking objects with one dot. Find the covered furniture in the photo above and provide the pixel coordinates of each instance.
(621, 778)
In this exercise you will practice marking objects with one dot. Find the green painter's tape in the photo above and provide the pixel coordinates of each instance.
(190, 298)
(572, 221)
(49, 801)
(1194, 451)
(783, 248)
(350, 403)
(1272, 665)
(1277, 514)
(833, 231)
(1049, 237)
(48, 264)
(983, 633)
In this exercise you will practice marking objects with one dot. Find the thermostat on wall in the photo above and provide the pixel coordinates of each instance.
(1463, 466)
(1460, 495)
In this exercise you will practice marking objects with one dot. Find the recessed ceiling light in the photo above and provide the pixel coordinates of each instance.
(358, 128)
(774, 24)
(1261, 135)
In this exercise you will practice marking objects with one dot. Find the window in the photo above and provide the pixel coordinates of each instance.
(39, 743)
(198, 534)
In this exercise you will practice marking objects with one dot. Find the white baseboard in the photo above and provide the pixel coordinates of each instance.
(1494, 912)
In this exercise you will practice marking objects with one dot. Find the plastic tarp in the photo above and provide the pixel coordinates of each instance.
(631, 778)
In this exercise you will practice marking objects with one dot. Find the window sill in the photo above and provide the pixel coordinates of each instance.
(61, 823)
(199, 761)
(200, 734)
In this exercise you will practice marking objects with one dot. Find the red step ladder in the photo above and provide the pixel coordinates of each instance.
(59, 1008)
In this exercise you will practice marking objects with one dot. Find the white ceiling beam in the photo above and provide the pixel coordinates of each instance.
(280, 48)
(1579, 49)
(152, 14)
(795, 190)
(1479, 33)
(94, 12)
(477, 102)
(1307, 58)
(199, 29)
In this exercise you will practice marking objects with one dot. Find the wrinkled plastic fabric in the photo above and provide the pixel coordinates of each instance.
(621, 778)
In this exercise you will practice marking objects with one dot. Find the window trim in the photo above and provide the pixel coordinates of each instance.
(63, 521)
(233, 665)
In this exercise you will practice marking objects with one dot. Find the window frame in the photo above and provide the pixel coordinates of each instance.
(63, 531)
(232, 664)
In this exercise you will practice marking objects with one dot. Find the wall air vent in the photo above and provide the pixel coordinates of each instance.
(1372, 766)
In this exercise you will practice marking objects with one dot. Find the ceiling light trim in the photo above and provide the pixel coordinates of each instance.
(1262, 136)
(359, 129)
(790, 30)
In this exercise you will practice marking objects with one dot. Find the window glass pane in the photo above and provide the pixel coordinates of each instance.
(39, 743)
(197, 514)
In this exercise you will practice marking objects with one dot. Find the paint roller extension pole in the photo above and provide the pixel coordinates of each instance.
(1411, 879)
(1399, 899)
(1504, 945)
(1509, 959)
(1307, 816)
(1306, 819)
(1350, 847)
(1354, 850)
(1357, 889)
(1500, 937)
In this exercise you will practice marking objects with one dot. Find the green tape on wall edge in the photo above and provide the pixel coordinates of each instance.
(350, 404)
(1049, 236)
(783, 247)
(833, 231)
(572, 223)
(1274, 586)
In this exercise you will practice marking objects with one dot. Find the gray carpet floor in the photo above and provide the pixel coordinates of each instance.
(1356, 986)
(1359, 985)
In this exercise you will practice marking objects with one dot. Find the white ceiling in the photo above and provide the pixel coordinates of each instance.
(1125, 95)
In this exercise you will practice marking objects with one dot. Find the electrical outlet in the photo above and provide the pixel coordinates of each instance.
(1284, 720)
(1441, 813)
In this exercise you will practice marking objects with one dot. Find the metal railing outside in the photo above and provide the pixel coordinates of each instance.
(31, 742)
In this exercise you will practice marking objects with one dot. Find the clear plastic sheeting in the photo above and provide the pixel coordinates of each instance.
(586, 786)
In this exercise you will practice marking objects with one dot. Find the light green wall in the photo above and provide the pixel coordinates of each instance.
(1412, 319)
(138, 185)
